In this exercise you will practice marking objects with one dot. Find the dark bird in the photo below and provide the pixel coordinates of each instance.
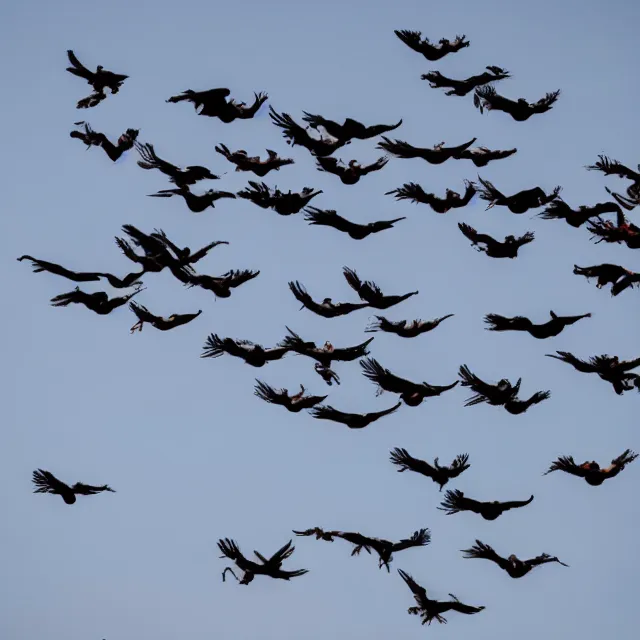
(46, 482)
(182, 178)
(440, 475)
(452, 199)
(268, 567)
(609, 368)
(196, 202)
(519, 202)
(294, 403)
(492, 247)
(350, 129)
(520, 110)
(463, 87)
(327, 308)
(94, 139)
(185, 256)
(296, 135)
(560, 210)
(404, 328)
(384, 548)
(613, 167)
(613, 274)
(515, 567)
(351, 420)
(482, 156)
(253, 354)
(370, 292)
(98, 302)
(352, 172)
(430, 610)
(39, 266)
(330, 218)
(436, 155)
(591, 471)
(214, 104)
(622, 231)
(163, 324)
(100, 80)
(432, 52)
(411, 393)
(455, 502)
(327, 374)
(245, 162)
(285, 204)
(221, 286)
(151, 261)
(548, 329)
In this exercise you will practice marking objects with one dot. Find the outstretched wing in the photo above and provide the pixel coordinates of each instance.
(269, 394)
(619, 463)
(236, 277)
(401, 149)
(215, 346)
(576, 363)
(327, 412)
(150, 160)
(330, 165)
(515, 504)
(78, 69)
(386, 380)
(375, 415)
(230, 549)
(469, 232)
(460, 464)
(303, 297)
(525, 239)
(46, 482)
(374, 166)
(455, 501)
(405, 461)
(420, 538)
(568, 465)
(544, 104)
(89, 490)
(329, 218)
(347, 354)
(613, 167)
(420, 593)
(413, 39)
(485, 552)
(291, 130)
(411, 191)
(143, 314)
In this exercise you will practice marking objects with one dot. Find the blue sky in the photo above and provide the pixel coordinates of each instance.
(192, 454)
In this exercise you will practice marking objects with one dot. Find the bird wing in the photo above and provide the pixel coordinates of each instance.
(347, 354)
(483, 551)
(613, 167)
(201, 253)
(329, 218)
(374, 166)
(128, 251)
(46, 482)
(568, 465)
(469, 232)
(460, 464)
(215, 346)
(420, 538)
(269, 394)
(280, 555)
(576, 363)
(144, 315)
(515, 504)
(231, 550)
(619, 463)
(402, 149)
(78, 69)
(413, 40)
(403, 459)
(89, 490)
(420, 593)
(544, 104)
(291, 130)
(528, 237)
(303, 297)
(150, 160)
(455, 501)
(378, 129)
(375, 415)
(488, 94)
(412, 191)
(386, 380)
(327, 412)
(236, 277)
(330, 165)
(56, 269)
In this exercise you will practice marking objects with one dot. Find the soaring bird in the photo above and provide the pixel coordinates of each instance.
(430, 610)
(384, 548)
(463, 87)
(520, 110)
(352, 172)
(560, 210)
(46, 482)
(285, 204)
(404, 328)
(613, 274)
(351, 420)
(452, 199)
(432, 52)
(253, 354)
(371, 293)
(296, 135)
(196, 202)
(327, 308)
(98, 302)
(163, 324)
(591, 471)
(548, 329)
(440, 475)
(245, 162)
(435, 155)
(411, 393)
(100, 80)
(515, 567)
(519, 202)
(350, 129)
(221, 286)
(182, 178)
(268, 567)
(482, 156)
(294, 403)
(455, 502)
(214, 104)
(492, 247)
(330, 218)
(613, 167)
(94, 139)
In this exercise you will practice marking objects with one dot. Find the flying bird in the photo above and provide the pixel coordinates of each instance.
(327, 308)
(452, 199)
(100, 80)
(271, 567)
(163, 324)
(350, 129)
(436, 155)
(622, 231)
(294, 403)
(349, 173)
(93, 139)
(245, 162)
(515, 567)
(613, 274)
(404, 328)
(221, 286)
(330, 218)
(482, 156)
(548, 329)
(559, 210)
(371, 293)
(98, 302)
(613, 167)
(351, 420)
(591, 471)
(214, 104)
(520, 110)
(384, 548)
(285, 204)
(432, 52)
(463, 87)
(196, 202)
(455, 502)
(411, 393)
(327, 374)
(46, 482)
(185, 256)
(430, 610)
(440, 475)
(253, 354)
(519, 202)
(492, 247)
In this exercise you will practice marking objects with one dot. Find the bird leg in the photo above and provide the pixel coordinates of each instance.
(357, 550)
(230, 570)
(137, 326)
(414, 611)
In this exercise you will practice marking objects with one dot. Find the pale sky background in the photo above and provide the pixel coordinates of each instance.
(192, 454)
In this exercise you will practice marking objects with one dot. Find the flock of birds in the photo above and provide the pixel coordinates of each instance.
(153, 252)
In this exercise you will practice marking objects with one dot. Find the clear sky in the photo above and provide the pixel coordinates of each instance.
(192, 453)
